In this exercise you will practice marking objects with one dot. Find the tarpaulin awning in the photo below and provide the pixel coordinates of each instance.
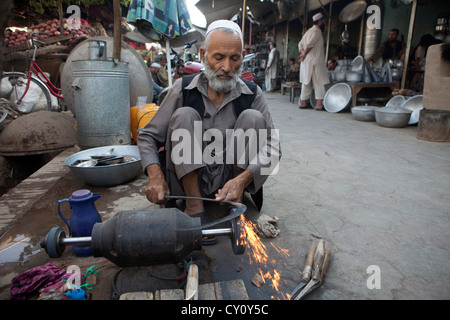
(160, 19)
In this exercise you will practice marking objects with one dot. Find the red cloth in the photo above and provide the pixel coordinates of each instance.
(34, 279)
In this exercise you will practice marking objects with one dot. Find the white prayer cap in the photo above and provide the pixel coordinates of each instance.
(224, 24)
(317, 16)
(155, 65)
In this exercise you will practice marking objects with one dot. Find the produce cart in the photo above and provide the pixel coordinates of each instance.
(58, 39)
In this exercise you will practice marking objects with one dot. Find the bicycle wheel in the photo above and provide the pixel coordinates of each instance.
(18, 82)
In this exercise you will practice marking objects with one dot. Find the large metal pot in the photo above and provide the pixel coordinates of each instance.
(392, 117)
(415, 104)
(364, 113)
(107, 175)
(337, 98)
(396, 101)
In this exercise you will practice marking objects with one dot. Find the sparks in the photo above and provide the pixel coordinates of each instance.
(257, 253)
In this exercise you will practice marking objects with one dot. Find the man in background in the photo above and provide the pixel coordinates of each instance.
(313, 71)
(272, 68)
(392, 49)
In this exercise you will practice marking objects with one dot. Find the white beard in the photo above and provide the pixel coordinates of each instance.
(221, 85)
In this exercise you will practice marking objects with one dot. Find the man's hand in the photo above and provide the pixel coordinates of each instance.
(301, 57)
(157, 186)
(233, 189)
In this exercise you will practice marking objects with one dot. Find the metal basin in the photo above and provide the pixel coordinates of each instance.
(107, 175)
(339, 76)
(364, 113)
(337, 98)
(357, 64)
(38, 133)
(396, 101)
(351, 76)
(415, 104)
(392, 117)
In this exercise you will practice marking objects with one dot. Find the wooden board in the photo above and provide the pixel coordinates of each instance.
(226, 290)
(45, 41)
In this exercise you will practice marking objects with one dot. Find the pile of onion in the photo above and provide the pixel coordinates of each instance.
(46, 30)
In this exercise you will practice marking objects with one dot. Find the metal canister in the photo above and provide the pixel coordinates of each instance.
(97, 49)
(102, 101)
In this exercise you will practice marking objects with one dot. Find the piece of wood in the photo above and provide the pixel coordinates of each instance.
(141, 295)
(307, 269)
(207, 292)
(171, 294)
(51, 40)
(326, 262)
(226, 290)
(192, 283)
(318, 259)
(117, 44)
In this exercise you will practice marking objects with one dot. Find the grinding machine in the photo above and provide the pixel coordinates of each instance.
(150, 237)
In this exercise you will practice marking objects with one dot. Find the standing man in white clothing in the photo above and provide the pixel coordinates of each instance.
(272, 67)
(313, 71)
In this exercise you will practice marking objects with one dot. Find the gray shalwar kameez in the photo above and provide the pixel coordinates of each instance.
(172, 115)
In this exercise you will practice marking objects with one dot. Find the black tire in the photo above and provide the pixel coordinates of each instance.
(13, 78)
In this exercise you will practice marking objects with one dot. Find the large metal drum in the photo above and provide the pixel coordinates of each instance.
(141, 84)
(102, 100)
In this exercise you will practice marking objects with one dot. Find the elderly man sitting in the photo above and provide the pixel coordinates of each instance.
(198, 124)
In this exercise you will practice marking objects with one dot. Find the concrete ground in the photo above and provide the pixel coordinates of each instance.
(378, 196)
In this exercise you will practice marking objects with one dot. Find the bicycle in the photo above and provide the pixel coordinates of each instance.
(35, 75)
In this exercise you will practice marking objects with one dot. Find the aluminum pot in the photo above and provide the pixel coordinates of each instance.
(415, 104)
(364, 113)
(337, 98)
(339, 76)
(107, 175)
(396, 101)
(392, 117)
(351, 76)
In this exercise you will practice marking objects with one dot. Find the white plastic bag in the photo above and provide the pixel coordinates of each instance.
(31, 98)
(5, 88)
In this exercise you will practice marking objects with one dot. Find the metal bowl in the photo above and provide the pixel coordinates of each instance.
(357, 64)
(339, 76)
(392, 117)
(396, 101)
(337, 98)
(107, 175)
(415, 104)
(351, 76)
(364, 113)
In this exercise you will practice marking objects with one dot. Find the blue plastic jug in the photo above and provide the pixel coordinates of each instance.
(83, 216)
